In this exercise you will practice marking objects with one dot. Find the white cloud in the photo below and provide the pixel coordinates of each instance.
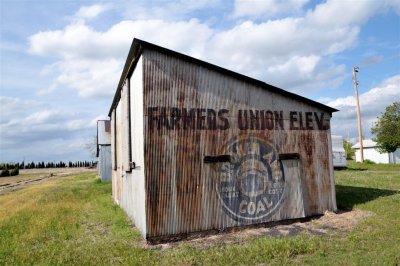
(266, 8)
(388, 91)
(88, 76)
(88, 56)
(34, 129)
(168, 10)
(343, 13)
(88, 12)
(286, 52)
(290, 52)
(81, 41)
(11, 107)
(372, 104)
(294, 53)
(40, 117)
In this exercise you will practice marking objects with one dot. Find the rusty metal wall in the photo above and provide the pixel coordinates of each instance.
(191, 112)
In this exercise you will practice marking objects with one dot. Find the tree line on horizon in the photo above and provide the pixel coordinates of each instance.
(38, 165)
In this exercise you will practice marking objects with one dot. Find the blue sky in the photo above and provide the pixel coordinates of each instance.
(60, 61)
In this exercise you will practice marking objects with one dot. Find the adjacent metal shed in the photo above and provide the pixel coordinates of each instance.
(196, 147)
(103, 152)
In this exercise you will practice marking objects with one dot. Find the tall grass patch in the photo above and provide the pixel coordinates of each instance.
(67, 221)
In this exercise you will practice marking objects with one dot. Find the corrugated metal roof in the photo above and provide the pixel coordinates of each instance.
(138, 46)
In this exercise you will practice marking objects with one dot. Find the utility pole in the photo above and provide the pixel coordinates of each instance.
(355, 70)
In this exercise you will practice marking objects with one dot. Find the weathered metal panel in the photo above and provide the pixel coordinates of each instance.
(104, 163)
(294, 192)
(133, 179)
(113, 155)
(123, 185)
(118, 159)
(331, 175)
(103, 132)
(124, 132)
(191, 112)
(104, 149)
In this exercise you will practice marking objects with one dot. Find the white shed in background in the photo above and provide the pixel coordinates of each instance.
(371, 153)
(104, 149)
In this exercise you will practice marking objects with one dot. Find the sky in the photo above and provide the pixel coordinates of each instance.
(60, 61)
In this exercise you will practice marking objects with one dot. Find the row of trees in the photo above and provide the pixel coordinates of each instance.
(8, 169)
(33, 165)
(8, 166)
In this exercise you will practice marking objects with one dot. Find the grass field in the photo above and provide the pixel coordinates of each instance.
(32, 174)
(72, 221)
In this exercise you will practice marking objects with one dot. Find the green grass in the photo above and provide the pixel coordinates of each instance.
(352, 165)
(73, 221)
(68, 221)
(376, 241)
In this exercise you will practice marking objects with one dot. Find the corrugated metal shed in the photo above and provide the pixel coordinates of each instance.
(197, 147)
(104, 149)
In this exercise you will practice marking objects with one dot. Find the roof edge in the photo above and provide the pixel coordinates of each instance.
(138, 46)
(131, 61)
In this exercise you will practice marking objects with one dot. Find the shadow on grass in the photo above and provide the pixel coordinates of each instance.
(351, 169)
(348, 196)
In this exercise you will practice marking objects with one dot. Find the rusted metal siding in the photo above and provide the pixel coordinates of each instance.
(191, 112)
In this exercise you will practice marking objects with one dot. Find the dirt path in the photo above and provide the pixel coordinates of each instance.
(34, 176)
(328, 223)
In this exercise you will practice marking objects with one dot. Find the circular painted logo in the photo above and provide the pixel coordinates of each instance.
(251, 186)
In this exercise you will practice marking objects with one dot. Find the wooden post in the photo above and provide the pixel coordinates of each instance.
(355, 70)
